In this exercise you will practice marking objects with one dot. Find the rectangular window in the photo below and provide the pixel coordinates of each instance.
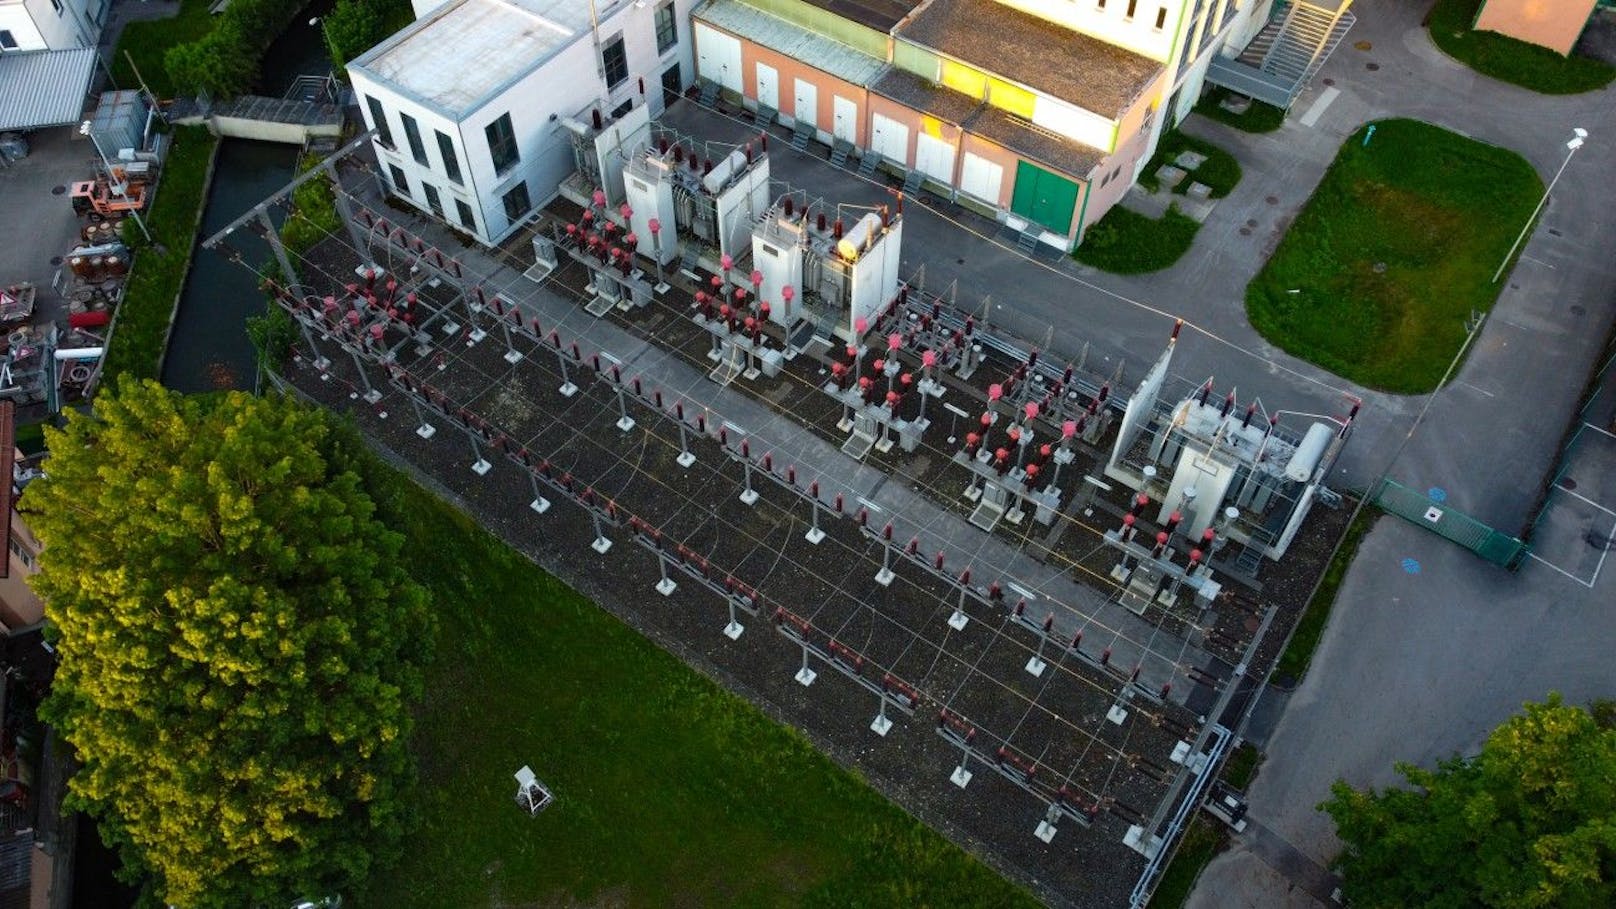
(432, 200)
(623, 108)
(667, 28)
(502, 144)
(1161, 18)
(378, 119)
(466, 218)
(58, 5)
(8, 41)
(615, 59)
(516, 202)
(1132, 5)
(1100, 5)
(451, 163)
(401, 183)
(412, 134)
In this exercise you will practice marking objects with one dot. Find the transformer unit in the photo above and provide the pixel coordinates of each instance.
(701, 202)
(838, 274)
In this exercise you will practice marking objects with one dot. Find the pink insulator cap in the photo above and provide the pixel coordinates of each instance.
(787, 292)
(1032, 410)
(600, 197)
(894, 341)
(928, 358)
(757, 278)
(861, 325)
(655, 225)
(1069, 428)
(995, 392)
(726, 262)
(625, 210)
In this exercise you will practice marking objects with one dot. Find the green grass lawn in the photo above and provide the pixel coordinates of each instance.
(1203, 840)
(1128, 243)
(148, 41)
(1508, 59)
(158, 273)
(1241, 767)
(669, 790)
(1220, 171)
(1378, 274)
(1298, 653)
(1259, 118)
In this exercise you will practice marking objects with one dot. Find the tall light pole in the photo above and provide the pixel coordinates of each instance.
(1578, 134)
(118, 186)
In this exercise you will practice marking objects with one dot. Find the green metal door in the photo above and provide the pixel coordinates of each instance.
(1043, 197)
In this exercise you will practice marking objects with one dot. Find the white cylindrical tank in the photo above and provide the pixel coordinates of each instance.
(851, 245)
(1309, 453)
(723, 171)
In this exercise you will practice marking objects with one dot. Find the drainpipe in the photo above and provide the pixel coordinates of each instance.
(1082, 212)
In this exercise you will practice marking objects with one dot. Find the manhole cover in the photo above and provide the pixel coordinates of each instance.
(1579, 310)
(1272, 200)
(1372, 67)
(1568, 483)
(1245, 231)
(1378, 268)
(58, 190)
(1251, 222)
(1363, 45)
(1328, 81)
(56, 260)
(959, 261)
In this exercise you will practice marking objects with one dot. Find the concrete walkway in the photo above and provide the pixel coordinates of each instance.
(1420, 666)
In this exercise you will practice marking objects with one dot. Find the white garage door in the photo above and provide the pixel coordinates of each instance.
(718, 57)
(890, 139)
(806, 106)
(934, 157)
(846, 119)
(768, 86)
(982, 179)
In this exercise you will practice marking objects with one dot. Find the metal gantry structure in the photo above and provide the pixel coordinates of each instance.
(1022, 653)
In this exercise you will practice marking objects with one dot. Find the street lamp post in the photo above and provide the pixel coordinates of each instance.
(118, 186)
(1578, 135)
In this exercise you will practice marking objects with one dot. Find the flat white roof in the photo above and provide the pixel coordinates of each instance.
(465, 52)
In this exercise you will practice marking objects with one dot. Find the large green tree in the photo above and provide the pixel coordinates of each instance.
(239, 645)
(1529, 821)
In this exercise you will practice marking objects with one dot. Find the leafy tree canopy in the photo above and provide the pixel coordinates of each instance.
(1530, 821)
(239, 646)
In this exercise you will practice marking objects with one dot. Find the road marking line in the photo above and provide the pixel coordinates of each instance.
(1599, 430)
(1538, 261)
(1559, 488)
(1533, 555)
(1317, 110)
(1481, 390)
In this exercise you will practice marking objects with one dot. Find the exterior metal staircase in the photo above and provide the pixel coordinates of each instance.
(1286, 54)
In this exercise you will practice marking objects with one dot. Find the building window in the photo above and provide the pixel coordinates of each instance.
(502, 144)
(412, 134)
(451, 162)
(22, 554)
(623, 108)
(1161, 18)
(401, 183)
(7, 40)
(1132, 5)
(378, 119)
(432, 200)
(615, 59)
(1100, 5)
(516, 202)
(667, 28)
(672, 84)
(466, 217)
(58, 6)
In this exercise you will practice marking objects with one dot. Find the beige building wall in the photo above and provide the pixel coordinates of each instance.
(1554, 24)
(19, 605)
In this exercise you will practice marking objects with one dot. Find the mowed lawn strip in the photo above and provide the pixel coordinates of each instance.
(669, 789)
(1398, 245)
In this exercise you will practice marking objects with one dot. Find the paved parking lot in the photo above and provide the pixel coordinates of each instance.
(37, 224)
